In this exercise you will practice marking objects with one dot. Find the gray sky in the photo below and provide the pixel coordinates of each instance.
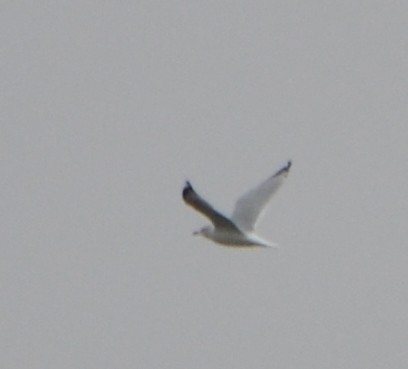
(107, 107)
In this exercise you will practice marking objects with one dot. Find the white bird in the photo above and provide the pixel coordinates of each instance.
(238, 230)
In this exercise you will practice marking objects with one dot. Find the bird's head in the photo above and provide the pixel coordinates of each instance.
(205, 231)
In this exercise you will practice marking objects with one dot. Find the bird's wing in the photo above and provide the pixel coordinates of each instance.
(249, 207)
(198, 203)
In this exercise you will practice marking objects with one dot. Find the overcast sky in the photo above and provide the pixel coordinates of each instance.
(108, 107)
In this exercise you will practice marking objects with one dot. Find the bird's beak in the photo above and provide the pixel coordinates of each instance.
(196, 233)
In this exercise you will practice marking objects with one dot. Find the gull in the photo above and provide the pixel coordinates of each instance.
(238, 230)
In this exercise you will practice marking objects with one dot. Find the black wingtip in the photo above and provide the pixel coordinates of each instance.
(284, 170)
(187, 188)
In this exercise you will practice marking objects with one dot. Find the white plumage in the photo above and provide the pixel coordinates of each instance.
(239, 229)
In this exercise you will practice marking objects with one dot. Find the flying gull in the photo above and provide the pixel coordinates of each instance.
(238, 230)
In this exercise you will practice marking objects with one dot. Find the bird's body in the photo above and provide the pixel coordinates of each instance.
(239, 229)
(232, 238)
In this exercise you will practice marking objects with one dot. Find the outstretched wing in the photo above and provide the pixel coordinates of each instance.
(249, 207)
(198, 203)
